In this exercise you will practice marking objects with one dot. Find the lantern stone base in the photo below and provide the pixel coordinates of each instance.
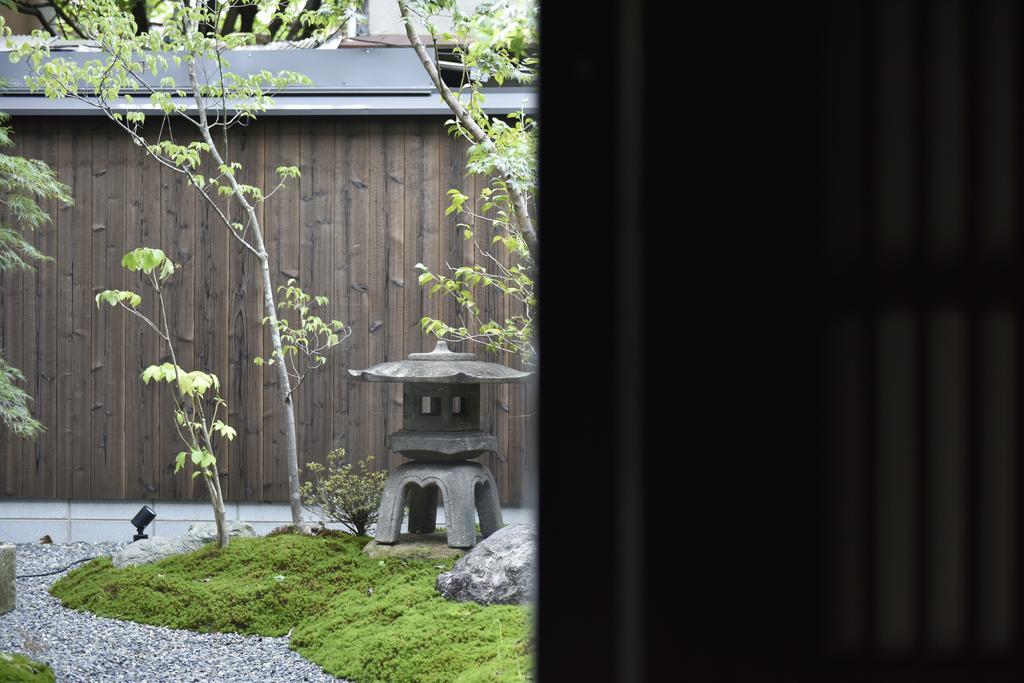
(7, 594)
(416, 546)
(465, 487)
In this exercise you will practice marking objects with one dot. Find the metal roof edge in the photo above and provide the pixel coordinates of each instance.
(497, 101)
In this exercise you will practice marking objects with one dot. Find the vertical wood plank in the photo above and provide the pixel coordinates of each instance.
(281, 139)
(39, 338)
(352, 208)
(11, 321)
(107, 405)
(430, 196)
(9, 460)
(452, 176)
(74, 315)
(213, 244)
(395, 276)
(245, 403)
(421, 228)
(377, 281)
(416, 207)
(142, 347)
(340, 280)
(177, 239)
(314, 398)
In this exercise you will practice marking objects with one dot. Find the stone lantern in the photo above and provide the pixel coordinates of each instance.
(441, 434)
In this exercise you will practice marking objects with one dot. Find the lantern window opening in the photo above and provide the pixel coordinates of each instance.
(456, 405)
(430, 405)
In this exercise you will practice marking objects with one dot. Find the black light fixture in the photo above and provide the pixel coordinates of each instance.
(141, 519)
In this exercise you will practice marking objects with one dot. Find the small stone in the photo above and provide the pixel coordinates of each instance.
(497, 571)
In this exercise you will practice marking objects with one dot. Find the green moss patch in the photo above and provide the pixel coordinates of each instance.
(21, 669)
(359, 618)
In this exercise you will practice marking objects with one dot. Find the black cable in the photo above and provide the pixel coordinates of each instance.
(56, 571)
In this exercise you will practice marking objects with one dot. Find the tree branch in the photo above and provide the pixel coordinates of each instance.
(476, 132)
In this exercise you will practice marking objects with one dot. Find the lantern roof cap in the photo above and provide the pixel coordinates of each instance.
(441, 366)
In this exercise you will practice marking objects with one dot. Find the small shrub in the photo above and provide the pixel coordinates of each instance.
(344, 495)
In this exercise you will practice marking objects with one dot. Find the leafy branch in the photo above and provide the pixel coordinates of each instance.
(304, 346)
(194, 427)
(496, 43)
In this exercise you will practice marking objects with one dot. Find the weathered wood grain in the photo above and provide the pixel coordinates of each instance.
(213, 246)
(245, 403)
(396, 276)
(74, 314)
(377, 280)
(39, 292)
(108, 231)
(143, 348)
(351, 285)
(177, 239)
(281, 227)
(12, 462)
(369, 206)
(314, 397)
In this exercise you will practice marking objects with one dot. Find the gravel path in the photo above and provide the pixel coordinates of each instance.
(83, 647)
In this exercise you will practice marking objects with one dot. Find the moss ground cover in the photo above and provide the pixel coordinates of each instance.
(20, 669)
(359, 618)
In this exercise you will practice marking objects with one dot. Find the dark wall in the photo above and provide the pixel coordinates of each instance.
(819, 205)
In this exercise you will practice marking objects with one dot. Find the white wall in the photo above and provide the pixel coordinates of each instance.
(68, 521)
(383, 16)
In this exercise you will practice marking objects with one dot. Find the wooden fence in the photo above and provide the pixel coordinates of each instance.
(369, 206)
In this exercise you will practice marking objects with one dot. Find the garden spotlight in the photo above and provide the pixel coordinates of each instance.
(141, 519)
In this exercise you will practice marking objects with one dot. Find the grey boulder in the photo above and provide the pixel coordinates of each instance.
(155, 549)
(497, 571)
(149, 550)
(202, 533)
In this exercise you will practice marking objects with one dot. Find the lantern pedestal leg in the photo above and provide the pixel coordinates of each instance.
(459, 516)
(488, 507)
(392, 508)
(422, 509)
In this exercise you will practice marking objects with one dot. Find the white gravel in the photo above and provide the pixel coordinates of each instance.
(84, 647)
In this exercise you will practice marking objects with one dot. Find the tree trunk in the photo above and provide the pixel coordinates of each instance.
(140, 15)
(478, 134)
(284, 385)
(218, 514)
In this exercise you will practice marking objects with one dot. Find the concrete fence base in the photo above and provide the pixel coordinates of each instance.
(69, 521)
(7, 597)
